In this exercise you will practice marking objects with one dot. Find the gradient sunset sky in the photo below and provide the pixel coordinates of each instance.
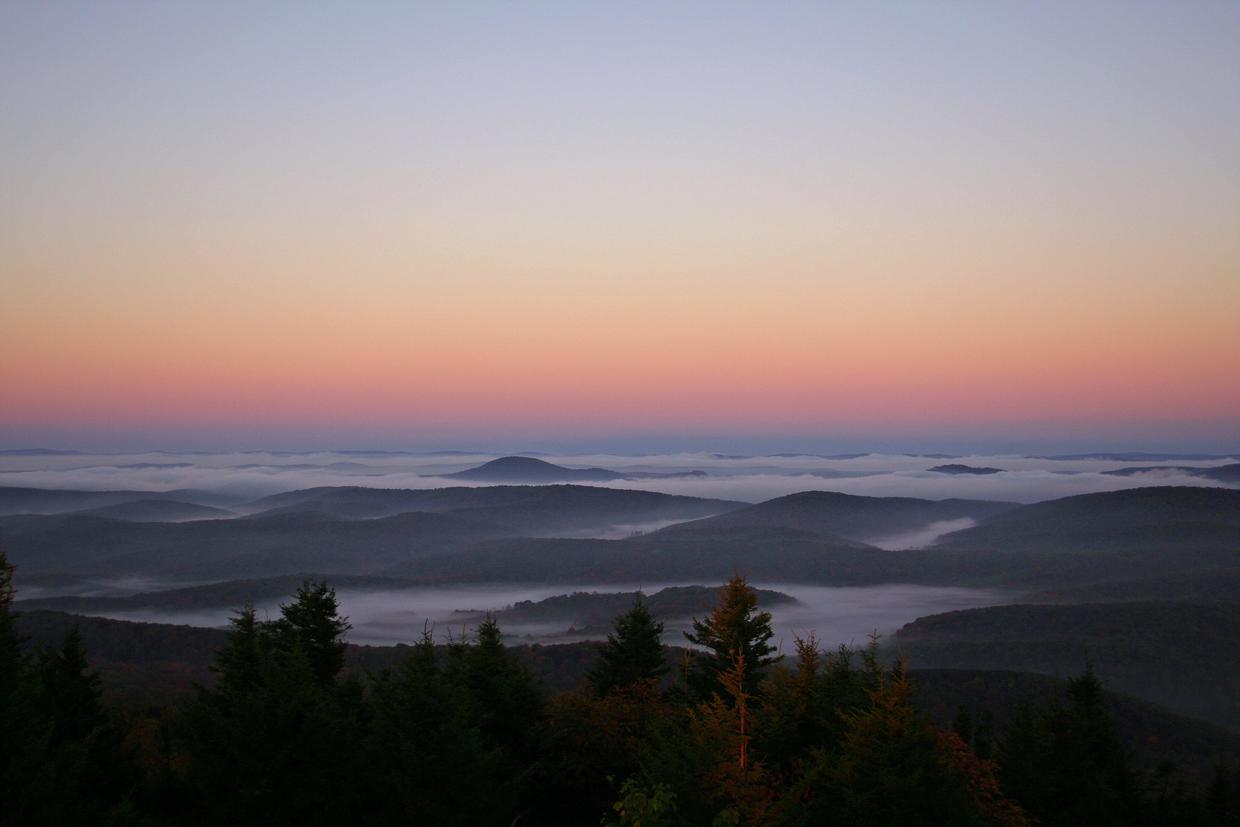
(929, 225)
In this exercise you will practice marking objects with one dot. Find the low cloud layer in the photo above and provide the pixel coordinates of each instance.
(835, 615)
(751, 479)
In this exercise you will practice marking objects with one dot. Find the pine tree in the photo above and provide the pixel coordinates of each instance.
(633, 651)
(734, 627)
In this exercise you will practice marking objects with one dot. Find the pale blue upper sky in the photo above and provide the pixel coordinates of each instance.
(1062, 178)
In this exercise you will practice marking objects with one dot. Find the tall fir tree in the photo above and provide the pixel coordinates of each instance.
(238, 663)
(18, 733)
(10, 641)
(278, 740)
(69, 690)
(736, 626)
(313, 625)
(633, 652)
(1066, 765)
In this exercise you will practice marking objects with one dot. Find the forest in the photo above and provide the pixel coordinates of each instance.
(460, 733)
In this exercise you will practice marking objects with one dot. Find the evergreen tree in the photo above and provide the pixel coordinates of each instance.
(312, 624)
(502, 703)
(18, 734)
(10, 641)
(734, 627)
(239, 662)
(278, 740)
(894, 768)
(1067, 765)
(633, 652)
(69, 690)
(426, 764)
(59, 757)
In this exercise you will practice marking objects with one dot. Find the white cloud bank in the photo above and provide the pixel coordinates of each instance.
(750, 479)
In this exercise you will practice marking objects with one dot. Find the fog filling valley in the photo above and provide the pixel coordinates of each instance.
(836, 615)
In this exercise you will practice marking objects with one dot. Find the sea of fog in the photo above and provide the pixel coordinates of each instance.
(253, 474)
(835, 615)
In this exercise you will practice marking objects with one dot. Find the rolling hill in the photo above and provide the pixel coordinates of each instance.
(224, 594)
(529, 510)
(1229, 474)
(597, 610)
(1164, 519)
(1168, 653)
(531, 470)
(228, 549)
(157, 511)
(958, 469)
(14, 500)
(845, 515)
(1216, 584)
(762, 555)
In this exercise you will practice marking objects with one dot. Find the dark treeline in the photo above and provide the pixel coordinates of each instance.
(459, 734)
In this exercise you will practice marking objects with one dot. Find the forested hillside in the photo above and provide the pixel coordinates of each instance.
(284, 730)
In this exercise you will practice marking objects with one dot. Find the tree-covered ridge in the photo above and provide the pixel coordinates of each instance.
(459, 733)
(535, 534)
(1165, 652)
(590, 610)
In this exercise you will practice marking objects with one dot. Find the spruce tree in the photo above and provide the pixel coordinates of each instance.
(426, 764)
(734, 627)
(1067, 765)
(503, 704)
(313, 625)
(70, 690)
(279, 739)
(10, 642)
(633, 651)
(18, 733)
(239, 662)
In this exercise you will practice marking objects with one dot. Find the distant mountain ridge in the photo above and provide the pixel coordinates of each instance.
(1219, 473)
(958, 468)
(1140, 456)
(1167, 653)
(846, 516)
(586, 611)
(224, 594)
(531, 508)
(530, 469)
(19, 500)
(1166, 518)
(334, 530)
(157, 511)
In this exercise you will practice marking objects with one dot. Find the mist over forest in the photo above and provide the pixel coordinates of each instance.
(629, 414)
(960, 592)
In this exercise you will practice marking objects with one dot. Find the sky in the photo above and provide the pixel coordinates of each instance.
(717, 226)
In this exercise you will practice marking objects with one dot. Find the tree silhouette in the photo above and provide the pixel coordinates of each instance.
(312, 624)
(734, 627)
(633, 651)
